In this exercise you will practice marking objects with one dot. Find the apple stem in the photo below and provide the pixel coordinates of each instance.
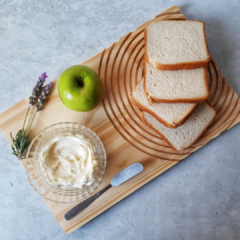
(80, 80)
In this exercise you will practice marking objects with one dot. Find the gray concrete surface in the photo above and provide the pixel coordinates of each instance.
(197, 199)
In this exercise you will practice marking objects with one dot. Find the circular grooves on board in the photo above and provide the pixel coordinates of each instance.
(121, 68)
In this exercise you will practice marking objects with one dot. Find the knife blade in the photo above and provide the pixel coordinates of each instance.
(126, 174)
(120, 178)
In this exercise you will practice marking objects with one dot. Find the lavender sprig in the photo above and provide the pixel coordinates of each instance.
(37, 89)
(35, 93)
(43, 96)
(41, 101)
(22, 138)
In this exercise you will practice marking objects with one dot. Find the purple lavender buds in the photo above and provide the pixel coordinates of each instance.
(43, 96)
(37, 89)
(22, 139)
(43, 76)
(48, 88)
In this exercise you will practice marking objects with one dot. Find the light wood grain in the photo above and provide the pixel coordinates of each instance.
(118, 124)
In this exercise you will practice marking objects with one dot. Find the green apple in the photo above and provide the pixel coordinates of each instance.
(80, 88)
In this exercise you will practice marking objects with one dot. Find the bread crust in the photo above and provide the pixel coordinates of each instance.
(183, 65)
(168, 125)
(144, 80)
(205, 127)
(175, 125)
(146, 58)
(150, 125)
(177, 100)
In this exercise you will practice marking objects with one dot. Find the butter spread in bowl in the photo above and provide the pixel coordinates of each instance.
(66, 162)
(69, 160)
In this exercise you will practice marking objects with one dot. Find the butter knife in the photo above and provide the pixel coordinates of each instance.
(120, 178)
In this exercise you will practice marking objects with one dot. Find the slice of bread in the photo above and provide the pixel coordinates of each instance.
(176, 45)
(183, 86)
(171, 115)
(185, 135)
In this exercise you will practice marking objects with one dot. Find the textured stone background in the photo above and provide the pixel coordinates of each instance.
(197, 199)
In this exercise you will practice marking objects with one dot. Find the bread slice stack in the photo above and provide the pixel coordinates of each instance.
(174, 89)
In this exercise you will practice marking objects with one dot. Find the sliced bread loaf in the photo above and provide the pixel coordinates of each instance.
(185, 135)
(170, 115)
(176, 45)
(183, 86)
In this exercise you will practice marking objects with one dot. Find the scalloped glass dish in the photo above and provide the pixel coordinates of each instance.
(35, 172)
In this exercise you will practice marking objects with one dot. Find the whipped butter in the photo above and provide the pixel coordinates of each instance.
(69, 160)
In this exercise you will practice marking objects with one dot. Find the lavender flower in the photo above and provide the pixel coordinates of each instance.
(43, 76)
(43, 96)
(22, 139)
(37, 89)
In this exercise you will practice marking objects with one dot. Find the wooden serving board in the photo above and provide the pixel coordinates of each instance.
(117, 122)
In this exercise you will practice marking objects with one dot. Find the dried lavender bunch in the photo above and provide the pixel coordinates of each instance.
(37, 89)
(35, 93)
(41, 101)
(43, 96)
(22, 138)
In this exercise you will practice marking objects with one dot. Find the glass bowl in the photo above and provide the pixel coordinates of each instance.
(35, 174)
